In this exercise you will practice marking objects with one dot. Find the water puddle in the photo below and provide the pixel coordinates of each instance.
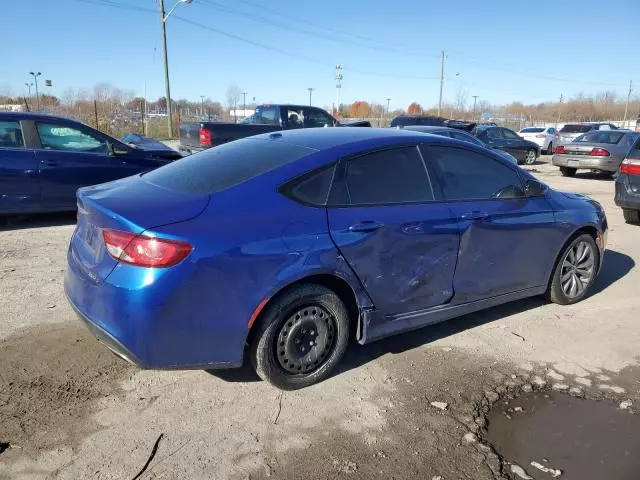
(582, 438)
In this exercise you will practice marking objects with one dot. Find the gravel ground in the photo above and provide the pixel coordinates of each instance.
(69, 409)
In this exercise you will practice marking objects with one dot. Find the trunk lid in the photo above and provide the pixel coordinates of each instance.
(582, 148)
(130, 204)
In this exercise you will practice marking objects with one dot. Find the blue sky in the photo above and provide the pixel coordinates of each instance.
(499, 50)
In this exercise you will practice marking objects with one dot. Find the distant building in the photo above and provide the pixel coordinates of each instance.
(12, 108)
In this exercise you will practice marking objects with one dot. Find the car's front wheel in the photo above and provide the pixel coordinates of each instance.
(302, 336)
(631, 216)
(575, 271)
(568, 171)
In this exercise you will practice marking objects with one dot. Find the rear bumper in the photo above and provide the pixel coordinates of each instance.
(149, 318)
(626, 196)
(606, 164)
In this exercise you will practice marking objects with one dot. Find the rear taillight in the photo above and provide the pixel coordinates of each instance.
(630, 166)
(540, 135)
(559, 149)
(205, 137)
(144, 251)
(599, 152)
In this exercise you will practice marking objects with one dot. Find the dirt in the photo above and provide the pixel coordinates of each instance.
(48, 379)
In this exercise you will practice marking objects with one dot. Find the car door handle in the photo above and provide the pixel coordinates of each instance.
(366, 226)
(474, 216)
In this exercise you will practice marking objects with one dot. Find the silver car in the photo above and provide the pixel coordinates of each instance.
(601, 150)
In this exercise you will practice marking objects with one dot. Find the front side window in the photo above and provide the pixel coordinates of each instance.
(11, 135)
(317, 118)
(509, 135)
(494, 134)
(466, 175)
(64, 138)
(388, 176)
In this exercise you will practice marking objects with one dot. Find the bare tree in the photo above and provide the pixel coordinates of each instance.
(233, 97)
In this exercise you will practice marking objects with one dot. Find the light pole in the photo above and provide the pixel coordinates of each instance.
(388, 102)
(244, 104)
(338, 77)
(311, 89)
(164, 18)
(475, 99)
(202, 106)
(29, 85)
(35, 78)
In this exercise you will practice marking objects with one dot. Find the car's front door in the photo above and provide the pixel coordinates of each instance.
(400, 243)
(514, 144)
(505, 236)
(19, 182)
(73, 156)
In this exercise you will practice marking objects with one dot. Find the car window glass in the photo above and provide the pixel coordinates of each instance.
(604, 127)
(314, 117)
(552, 131)
(494, 134)
(312, 188)
(600, 136)
(532, 130)
(465, 138)
(573, 128)
(466, 175)
(11, 135)
(389, 176)
(509, 135)
(62, 137)
(263, 116)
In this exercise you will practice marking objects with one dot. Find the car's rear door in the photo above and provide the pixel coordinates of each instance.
(73, 156)
(400, 242)
(508, 241)
(19, 180)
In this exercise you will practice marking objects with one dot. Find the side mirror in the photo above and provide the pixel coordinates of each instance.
(116, 150)
(533, 188)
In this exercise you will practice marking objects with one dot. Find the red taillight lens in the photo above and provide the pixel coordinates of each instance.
(205, 137)
(559, 149)
(540, 135)
(144, 251)
(630, 166)
(599, 152)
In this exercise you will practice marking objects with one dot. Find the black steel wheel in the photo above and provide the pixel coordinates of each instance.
(302, 335)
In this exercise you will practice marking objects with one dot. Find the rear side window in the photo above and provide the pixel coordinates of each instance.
(11, 135)
(575, 128)
(225, 166)
(389, 176)
(466, 175)
(312, 188)
(465, 138)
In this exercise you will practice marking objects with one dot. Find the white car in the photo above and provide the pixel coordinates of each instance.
(546, 137)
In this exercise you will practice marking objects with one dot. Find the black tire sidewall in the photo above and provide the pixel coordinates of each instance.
(262, 351)
(556, 294)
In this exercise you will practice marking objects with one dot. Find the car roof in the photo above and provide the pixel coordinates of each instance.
(325, 138)
(35, 116)
(433, 128)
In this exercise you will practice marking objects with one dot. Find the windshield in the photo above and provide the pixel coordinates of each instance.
(575, 129)
(600, 136)
(532, 130)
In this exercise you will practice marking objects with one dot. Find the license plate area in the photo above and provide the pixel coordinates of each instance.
(574, 163)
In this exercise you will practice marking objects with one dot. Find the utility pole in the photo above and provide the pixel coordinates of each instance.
(35, 78)
(559, 107)
(29, 85)
(167, 90)
(388, 102)
(626, 107)
(442, 57)
(475, 99)
(244, 104)
(311, 89)
(338, 77)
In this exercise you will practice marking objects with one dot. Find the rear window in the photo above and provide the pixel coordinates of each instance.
(575, 129)
(532, 130)
(601, 136)
(222, 167)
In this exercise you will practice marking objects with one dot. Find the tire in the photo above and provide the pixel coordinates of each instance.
(631, 216)
(306, 313)
(568, 171)
(566, 274)
(530, 157)
(550, 148)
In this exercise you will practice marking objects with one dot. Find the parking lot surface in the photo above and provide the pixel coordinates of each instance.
(400, 408)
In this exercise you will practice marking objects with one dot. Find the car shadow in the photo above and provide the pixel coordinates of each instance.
(603, 176)
(43, 220)
(615, 266)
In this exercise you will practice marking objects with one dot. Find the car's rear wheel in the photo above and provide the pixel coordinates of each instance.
(302, 336)
(530, 157)
(631, 216)
(568, 171)
(575, 271)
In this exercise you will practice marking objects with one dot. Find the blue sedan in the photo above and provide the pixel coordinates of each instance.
(283, 246)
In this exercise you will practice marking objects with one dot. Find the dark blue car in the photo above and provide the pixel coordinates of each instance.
(282, 247)
(44, 159)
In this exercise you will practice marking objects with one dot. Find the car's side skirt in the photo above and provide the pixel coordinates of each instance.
(377, 326)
